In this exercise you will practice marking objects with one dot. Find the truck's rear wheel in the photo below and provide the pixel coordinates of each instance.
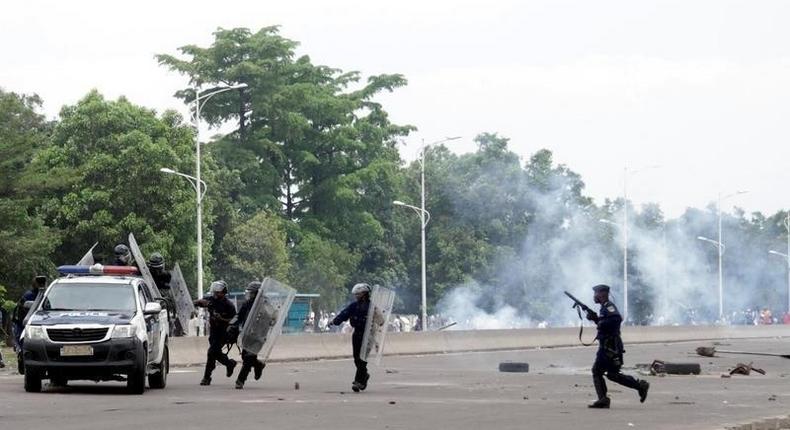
(159, 379)
(32, 381)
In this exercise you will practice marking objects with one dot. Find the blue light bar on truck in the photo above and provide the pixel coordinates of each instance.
(98, 269)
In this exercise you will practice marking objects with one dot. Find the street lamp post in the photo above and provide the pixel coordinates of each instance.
(720, 246)
(424, 218)
(626, 174)
(199, 102)
(787, 257)
(200, 189)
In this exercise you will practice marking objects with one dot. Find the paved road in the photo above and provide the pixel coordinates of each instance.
(456, 391)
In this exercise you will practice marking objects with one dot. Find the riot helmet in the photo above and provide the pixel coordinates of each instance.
(122, 254)
(360, 290)
(219, 287)
(156, 261)
(252, 290)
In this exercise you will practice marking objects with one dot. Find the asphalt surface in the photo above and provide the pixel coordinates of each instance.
(454, 391)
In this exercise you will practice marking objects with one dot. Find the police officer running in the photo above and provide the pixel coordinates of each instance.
(609, 358)
(221, 311)
(249, 360)
(357, 314)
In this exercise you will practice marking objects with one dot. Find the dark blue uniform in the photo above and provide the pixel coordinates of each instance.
(249, 360)
(20, 313)
(357, 315)
(609, 358)
(221, 311)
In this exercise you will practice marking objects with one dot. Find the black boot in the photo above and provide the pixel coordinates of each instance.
(205, 381)
(258, 369)
(230, 367)
(239, 384)
(600, 404)
(643, 387)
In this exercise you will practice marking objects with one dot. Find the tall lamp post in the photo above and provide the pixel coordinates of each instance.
(424, 218)
(720, 246)
(626, 174)
(787, 258)
(200, 189)
(198, 103)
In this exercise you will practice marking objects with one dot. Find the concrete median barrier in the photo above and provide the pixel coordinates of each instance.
(192, 350)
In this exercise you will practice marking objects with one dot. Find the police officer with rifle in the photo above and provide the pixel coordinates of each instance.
(221, 312)
(609, 358)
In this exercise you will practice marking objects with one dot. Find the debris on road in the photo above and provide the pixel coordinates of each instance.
(514, 366)
(745, 369)
(660, 367)
(709, 351)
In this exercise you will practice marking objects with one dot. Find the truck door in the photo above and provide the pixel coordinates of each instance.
(152, 323)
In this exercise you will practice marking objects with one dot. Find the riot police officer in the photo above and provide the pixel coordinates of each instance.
(249, 360)
(356, 313)
(20, 312)
(123, 256)
(221, 312)
(156, 264)
(609, 358)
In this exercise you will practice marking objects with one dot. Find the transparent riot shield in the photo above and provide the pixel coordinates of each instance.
(139, 259)
(87, 259)
(381, 300)
(267, 315)
(181, 298)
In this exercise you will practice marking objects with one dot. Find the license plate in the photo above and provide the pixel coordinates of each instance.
(76, 350)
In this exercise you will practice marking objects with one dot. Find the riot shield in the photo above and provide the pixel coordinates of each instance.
(381, 300)
(87, 259)
(181, 297)
(143, 266)
(267, 315)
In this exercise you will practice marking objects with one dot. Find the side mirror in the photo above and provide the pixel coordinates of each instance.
(29, 304)
(152, 308)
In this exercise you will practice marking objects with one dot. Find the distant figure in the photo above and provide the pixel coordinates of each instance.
(766, 317)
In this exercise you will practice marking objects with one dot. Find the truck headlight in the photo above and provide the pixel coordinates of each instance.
(34, 332)
(123, 331)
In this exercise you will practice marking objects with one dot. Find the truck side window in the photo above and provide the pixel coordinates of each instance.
(141, 297)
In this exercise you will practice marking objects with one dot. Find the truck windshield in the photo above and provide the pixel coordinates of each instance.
(90, 297)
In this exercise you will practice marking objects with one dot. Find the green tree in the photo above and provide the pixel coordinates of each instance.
(253, 250)
(311, 144)
(26, 244)
(111, 153)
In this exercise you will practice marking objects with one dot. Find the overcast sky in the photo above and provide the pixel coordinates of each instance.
(700, 88)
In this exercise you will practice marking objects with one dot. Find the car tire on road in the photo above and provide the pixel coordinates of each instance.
(159, 379)
(135, 382)
(32, 381)
(514, 366)
(682, 368)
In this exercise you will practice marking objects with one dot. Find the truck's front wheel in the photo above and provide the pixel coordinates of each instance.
(159, 379)
(135, 383)
(32, 381)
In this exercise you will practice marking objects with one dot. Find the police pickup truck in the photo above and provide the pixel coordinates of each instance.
(100, 323)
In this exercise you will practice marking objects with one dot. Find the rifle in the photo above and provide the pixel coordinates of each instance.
(580, 306)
